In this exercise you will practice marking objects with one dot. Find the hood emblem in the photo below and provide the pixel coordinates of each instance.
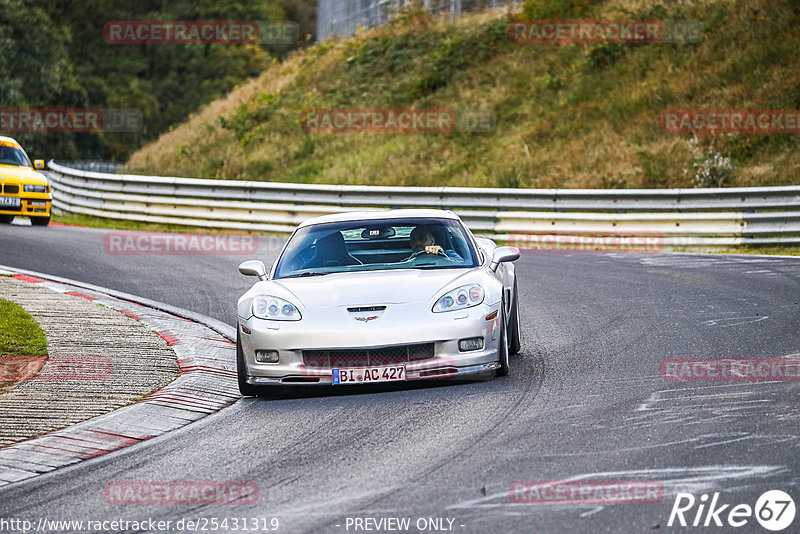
(365, 314)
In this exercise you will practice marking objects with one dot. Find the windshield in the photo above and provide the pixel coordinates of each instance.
(377, 245)
(11, 155)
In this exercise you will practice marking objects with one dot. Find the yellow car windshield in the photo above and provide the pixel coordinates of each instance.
(10, 155)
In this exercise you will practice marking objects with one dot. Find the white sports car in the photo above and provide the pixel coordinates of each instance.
(365, 297)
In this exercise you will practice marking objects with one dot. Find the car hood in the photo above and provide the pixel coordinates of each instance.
(13, 173)
(374, 287)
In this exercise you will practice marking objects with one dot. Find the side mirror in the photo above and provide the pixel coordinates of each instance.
(38, 164)
(503, 254)
(253, 268)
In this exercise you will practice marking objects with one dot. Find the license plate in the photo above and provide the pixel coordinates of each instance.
(10, 201)
(369, 375)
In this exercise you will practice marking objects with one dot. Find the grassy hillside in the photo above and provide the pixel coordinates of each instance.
(570, 115)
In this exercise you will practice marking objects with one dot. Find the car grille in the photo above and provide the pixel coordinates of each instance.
(336, 358)
(11, 189)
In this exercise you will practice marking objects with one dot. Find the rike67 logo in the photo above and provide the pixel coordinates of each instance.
(774, 510)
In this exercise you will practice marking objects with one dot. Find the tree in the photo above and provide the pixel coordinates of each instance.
(53, 54)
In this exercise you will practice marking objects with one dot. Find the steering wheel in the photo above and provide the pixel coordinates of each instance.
(440, 252)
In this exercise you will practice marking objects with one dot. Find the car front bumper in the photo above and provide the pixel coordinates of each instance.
(36, 204)
(340, 333)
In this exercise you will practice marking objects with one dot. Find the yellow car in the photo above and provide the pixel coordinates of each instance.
(23, 191)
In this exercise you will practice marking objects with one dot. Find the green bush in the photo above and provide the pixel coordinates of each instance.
(458, 52)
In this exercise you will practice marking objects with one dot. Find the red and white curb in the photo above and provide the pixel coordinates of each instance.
(207, 383)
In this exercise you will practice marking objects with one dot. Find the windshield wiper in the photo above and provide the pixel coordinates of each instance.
(307, 273)
(431, 267)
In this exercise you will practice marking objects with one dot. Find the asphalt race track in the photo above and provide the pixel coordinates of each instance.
(584, 401)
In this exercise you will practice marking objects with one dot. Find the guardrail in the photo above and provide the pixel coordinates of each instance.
(680, 218)
(96, 166)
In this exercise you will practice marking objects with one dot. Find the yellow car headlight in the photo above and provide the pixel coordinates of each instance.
(30, 188)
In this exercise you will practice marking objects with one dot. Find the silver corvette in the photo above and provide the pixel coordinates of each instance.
(365, 297)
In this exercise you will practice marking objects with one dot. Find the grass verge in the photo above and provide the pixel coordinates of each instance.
(23, 346)
(118, 224)
(19, 332)
(767, 251)
(78, 219)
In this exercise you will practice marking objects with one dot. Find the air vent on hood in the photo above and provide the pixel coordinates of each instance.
(366, 309)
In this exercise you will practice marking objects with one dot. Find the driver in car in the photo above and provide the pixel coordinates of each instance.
(422, 240)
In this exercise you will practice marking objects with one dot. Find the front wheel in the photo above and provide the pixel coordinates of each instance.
(40, 221)
(502, 350)
(248, 390)
(514, 333)
(6, 219)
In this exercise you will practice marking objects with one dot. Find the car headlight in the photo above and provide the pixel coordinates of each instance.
(29, 188)
(274, 309)
(459, 298)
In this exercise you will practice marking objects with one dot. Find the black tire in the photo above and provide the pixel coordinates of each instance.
(502, 358)
(248, 390)
(6, 219)
(514, 334)
(40, 221)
